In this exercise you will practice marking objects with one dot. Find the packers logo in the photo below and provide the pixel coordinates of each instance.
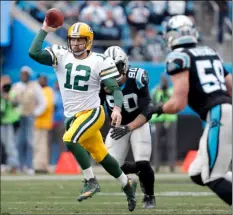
(90, 29)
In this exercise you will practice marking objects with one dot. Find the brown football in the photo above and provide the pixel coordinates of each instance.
(54, 18)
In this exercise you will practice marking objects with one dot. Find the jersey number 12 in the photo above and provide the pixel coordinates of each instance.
(79, 80)
(211, 81)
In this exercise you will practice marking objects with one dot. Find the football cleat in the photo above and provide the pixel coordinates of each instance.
(148, 202)
(90, 187)
(129, 192)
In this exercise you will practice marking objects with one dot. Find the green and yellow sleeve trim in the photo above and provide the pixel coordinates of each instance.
(109, 73)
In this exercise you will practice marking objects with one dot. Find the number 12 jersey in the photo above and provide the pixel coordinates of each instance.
(79, 79)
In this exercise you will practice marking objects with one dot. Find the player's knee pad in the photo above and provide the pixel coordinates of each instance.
(144, 166)
(197, 179)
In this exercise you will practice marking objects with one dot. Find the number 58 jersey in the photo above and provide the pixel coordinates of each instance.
(79, 79)
(206, 77)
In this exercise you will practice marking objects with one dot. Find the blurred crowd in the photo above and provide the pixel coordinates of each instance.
(32, 120)
(32, 125)
(135, 25)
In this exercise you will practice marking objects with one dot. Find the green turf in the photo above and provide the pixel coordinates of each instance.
(59, 197)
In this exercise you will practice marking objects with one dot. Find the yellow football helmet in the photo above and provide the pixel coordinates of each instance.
(81, 29)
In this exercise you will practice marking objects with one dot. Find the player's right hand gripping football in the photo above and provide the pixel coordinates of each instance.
(116, 116)
(47, 28)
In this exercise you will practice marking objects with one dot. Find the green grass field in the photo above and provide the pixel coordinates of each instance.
(175, 194)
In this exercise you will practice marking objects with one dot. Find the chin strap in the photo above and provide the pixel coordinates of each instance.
(79, 53)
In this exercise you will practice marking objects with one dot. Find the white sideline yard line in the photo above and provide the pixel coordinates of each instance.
(173, 194)
(80, 177)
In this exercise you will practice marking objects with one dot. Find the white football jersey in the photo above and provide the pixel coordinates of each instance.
(79, 80)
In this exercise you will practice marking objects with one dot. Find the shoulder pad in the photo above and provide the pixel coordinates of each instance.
(176, 62)
(100, 56)
(59, 49)
(142, 78)
(56, 51)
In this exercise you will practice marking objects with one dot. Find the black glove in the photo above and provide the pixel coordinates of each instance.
(119, 131)
(158, 109)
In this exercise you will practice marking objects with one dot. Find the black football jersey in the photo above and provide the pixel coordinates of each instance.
(206, 76)
(136, 95)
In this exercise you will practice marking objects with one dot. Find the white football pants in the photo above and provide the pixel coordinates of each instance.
(140, 141)
(215, 147)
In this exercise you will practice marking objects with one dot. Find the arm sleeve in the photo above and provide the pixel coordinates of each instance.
(144, 99)
(144, 102)
(102, 95)
(177, 62)
(36, 52)
(113, 87)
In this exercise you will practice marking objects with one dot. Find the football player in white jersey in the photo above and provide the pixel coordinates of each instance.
(80, 72)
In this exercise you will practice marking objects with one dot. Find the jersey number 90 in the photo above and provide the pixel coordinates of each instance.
(130, 102)
(80, 79)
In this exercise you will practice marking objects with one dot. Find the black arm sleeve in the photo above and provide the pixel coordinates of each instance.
(144, 102)
(102, 95)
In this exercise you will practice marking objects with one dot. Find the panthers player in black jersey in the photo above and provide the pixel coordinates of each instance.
(200, 80)
(135, 129)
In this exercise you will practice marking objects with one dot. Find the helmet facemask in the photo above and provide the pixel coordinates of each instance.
(78, 53)
(80, 30)
(121, 67)
(120, 58)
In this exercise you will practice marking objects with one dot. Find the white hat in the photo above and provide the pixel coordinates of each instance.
(26, 69)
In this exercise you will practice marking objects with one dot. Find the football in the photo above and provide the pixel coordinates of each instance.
(54, 18)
